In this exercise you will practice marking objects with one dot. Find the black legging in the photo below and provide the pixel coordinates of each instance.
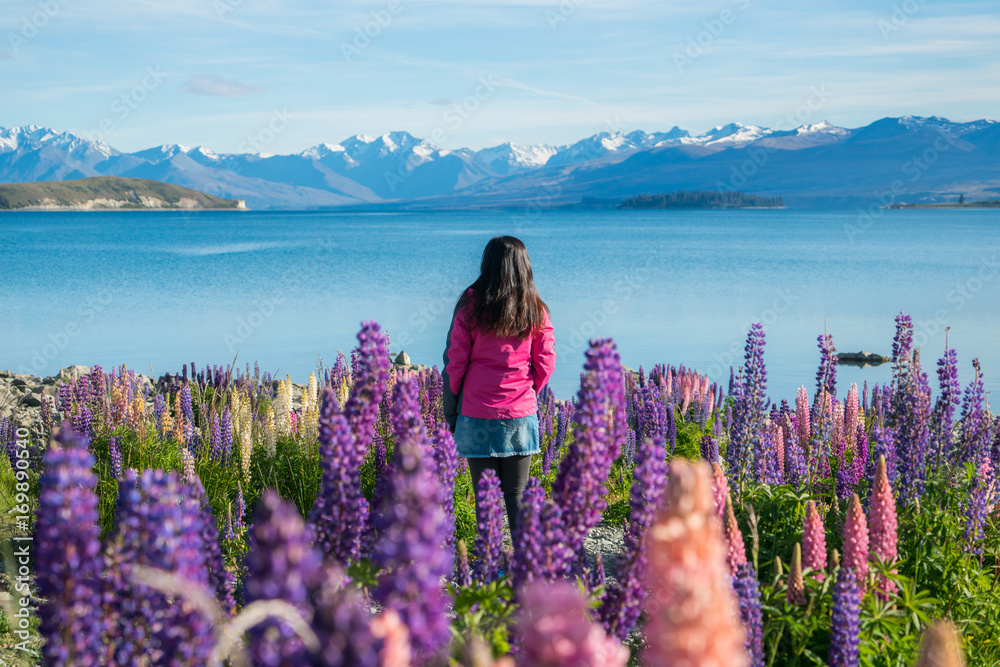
(513, 473)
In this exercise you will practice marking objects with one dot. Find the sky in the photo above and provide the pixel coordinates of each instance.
(279, 77)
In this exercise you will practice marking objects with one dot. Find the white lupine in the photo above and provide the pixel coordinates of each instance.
(282, 408)
(243, 426)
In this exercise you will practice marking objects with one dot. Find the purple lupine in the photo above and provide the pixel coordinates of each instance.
(974, 428)
(282, 565)
(371, 375)
(749, 406)
(748, 594)
(81, 422)
(446, 463)
(46, 414)
(884, 442)
(226, 426)
(343, 625)
(796, 468)
(187, 409)
(220, 579)
(671, 427)
(943, 417)
(845, 623)
(379, 455)
(539, 540)
(710, 449)
(489, 540)
(241, 507)
(216, 438)
(65, 399)
(158, 407)
(911, 418)
(600, 429)
(624, 600)
(340, 514)
(115, 455)
(902, 346)
(977, 509)
(598, 576)
(155, 530)
(67, 554)
(412, 548)
(826, 376)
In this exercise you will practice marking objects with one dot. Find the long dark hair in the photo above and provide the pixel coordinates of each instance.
(504, 299)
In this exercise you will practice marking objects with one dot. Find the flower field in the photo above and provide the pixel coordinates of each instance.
(215, 517)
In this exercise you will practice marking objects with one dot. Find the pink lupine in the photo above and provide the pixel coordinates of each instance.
(796, 591)
(814, 542)
(778, 438)
(720, 487)
(558, 631)
(802, 419)
(856, 541)
(736, 553)
(851, 411)
(692, 613)
(882, 543)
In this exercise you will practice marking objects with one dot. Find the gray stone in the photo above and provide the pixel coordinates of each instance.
(402, 359)
(31, 400)
(6, 374)
(19, 382)
(77, 369)
(52, 379)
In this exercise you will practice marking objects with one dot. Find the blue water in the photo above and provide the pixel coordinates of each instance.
(155, 290)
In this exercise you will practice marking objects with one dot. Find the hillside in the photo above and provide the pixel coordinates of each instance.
(108, 192)
(819, 165)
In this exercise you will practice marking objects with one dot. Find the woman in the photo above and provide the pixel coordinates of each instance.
(500, 352)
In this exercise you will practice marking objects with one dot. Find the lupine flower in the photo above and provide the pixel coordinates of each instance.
(241, 507)
(942, 419)
(941, 646)
(623, 601)
(282, 565)
(796, 590)
(802, 430)
(748, 594)
(188, 411)
(540, 544)
(489, 503)
(911, 418)
(856, 541)
(736, 553)
(389, 627)
(709, 449)
(600, 430)
(67, 554)
(154, 530)
(691, 610)
(412, 549)
(845, 623)
(884, 441)
(219, 578)
(187, 463)
(81, 422)
(371, 377)
(343, 625)
(65, 399)
(974, 430)
(826, 376)
(216, 438)
(115, 455)
(446, 460)
(463, 574)
(226, 428)
(339, 516)
(720, 489)
(882, 543)
(556, 630)
(814, 542)
(977, 509)
(750, 399)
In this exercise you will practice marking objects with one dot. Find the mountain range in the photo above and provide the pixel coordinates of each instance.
(905, 159)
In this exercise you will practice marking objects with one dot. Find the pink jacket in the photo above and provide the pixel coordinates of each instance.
(499, 378)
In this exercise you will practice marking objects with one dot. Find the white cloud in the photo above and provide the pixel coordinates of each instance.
(206, 84)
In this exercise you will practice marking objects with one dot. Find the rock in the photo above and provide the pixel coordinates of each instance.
(76, 371)
(31, 400)
(6, 374)
(19, 382)
(402, 359)
(51, 380)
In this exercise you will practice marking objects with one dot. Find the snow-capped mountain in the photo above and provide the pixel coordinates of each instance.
(508, 157)
(819, 162)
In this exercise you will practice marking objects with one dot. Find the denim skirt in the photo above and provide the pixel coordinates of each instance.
(478, 438)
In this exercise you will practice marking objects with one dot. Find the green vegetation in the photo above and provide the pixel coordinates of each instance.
(108, 192)
(702, 199)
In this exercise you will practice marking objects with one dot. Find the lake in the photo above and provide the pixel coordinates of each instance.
(154, 290)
